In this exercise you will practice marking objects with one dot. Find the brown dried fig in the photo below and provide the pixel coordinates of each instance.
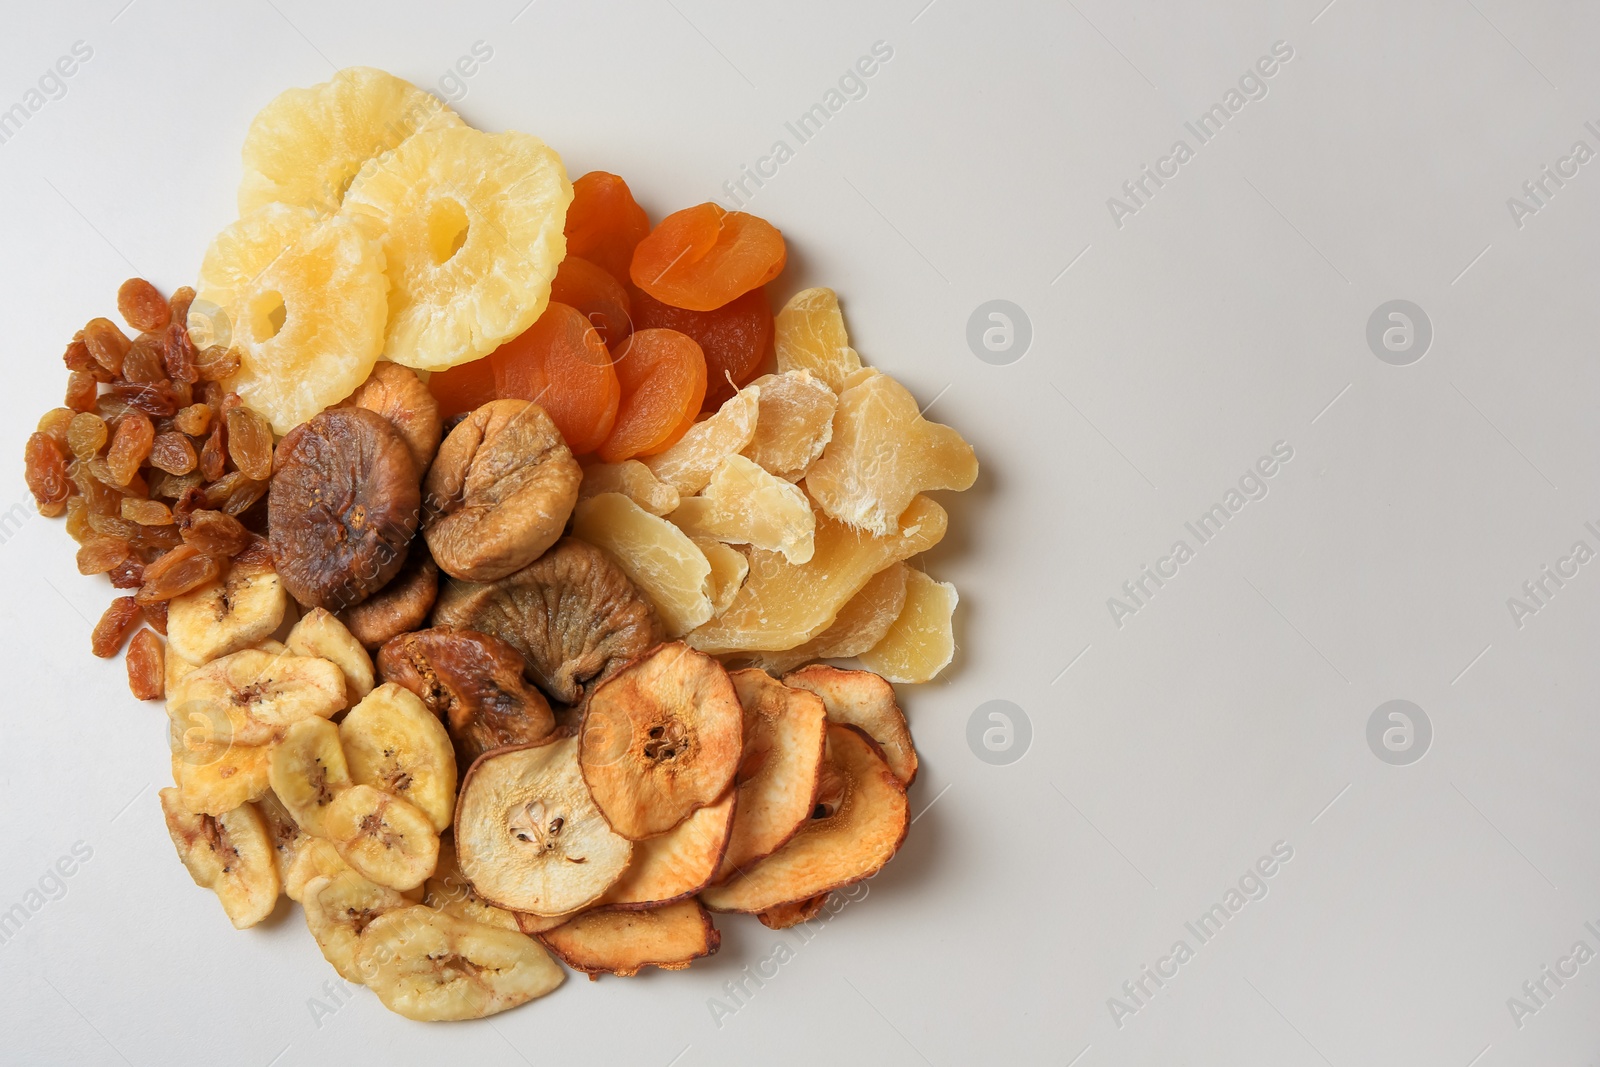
(474, 683)
(499, 492)
(572, 613)
(399, 607)
(396, 393)
(344, 505)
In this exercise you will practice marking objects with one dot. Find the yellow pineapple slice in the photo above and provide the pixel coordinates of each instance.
(794, 425)
(688, 465)
(472, 231)
(861, 623)
(304, 304)
(728, 570)
(921, 642)
(633, 480)
(745, 505)
(660, 559)
(809, 335)
(782, 605)
(306, 146)
(883, 454)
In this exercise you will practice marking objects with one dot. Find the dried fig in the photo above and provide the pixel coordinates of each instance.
(396, 393)
(345, 502)
(399, 607)
(474, 683)
(572, 613)
(499, 492)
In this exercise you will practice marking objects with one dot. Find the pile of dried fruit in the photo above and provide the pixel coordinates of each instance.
(471, 649)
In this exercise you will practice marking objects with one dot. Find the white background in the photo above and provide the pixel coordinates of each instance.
(1227, 715)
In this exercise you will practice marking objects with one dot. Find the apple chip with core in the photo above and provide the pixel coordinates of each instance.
(529, 837)
(622, 942)
(856, 826)
(678, 863)
(784, 733)
(661, 737)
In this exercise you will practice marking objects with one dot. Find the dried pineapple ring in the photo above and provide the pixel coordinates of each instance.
(305, 146)
(305, 303)
(472, 234)
(921, 642)
(883, 454)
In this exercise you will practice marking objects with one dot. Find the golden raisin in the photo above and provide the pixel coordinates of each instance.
(145, 361)
(193, 420)
(175, 573)
(100, 554)
(182, 297)
(182, 361)
(78, 527)
(214, 457)
(147, 675)
(155, 614)
(129, 574)
(82, 391)
(113, 627)
(250, 443)
(107, 343)
(146, 512)
(142, 306)
(217, 363)
(54, 424)
(234, 493)
(87, 435)
(130, 447)
(173, 453)
(46, 473)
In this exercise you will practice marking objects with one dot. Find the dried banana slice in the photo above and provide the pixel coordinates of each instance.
(316, 859)
(431, 966)
(529, 836)
(251, 697)
(382, 837)
(338, 909)
(226, 615)
(320, 633)
(392, 741)
(229, 854)
(448, 890)
(217, 779)
(307, 771)
(288, 840)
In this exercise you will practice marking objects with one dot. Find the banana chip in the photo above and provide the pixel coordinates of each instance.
(393, 742)
(229, 854)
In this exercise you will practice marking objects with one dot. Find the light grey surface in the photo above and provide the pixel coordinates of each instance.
(1169, 754)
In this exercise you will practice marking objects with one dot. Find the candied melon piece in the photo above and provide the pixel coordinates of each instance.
(861, 623)
(728, 569)
(745, 505)
(688, 465)
(633, 480)
(921, 642)
(782, 605)
(883, 454)
(658, 557)
(794, 425)
(809, 335)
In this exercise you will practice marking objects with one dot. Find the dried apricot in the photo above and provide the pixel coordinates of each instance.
(463, 388)
(883, 454)
(920, 643)
(142, 306)
(702, 257)
(794, 424)
(46, 472)
(736, 337)
(659, 558)
(602, 299)
(604, 222)
(561, 364)
(662, 374)
(809, 335)
(743, 504)
(688, 465)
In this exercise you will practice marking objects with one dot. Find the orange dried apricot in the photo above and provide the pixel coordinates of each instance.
(561, 364)
(464, 387)
(602, 299)
(605, 223)
(736, 337)
(702, 257)
(663, 378)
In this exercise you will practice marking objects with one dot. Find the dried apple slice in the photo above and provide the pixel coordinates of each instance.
(529, 837)
(784, 733)
(921, 642)
(863, 699)
(678, 863)
(381, 837)
(688, 465)
(783, 916)
(633, 480)
(660, 558)
(860, 624)
(432, 967)
(857, 825)
(746, 505)
(883, 454)
(660, 738)
(782, 605)
(622, 942)
(794, 425)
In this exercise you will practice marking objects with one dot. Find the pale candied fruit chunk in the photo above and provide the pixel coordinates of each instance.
(794, 425)
(688, 465)
(659, 558)
(809, 335)
(883, 454)
(745, 505)
(861, 623)
(782, 605)
(921, 642)
(633, 480)
(729, 567)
